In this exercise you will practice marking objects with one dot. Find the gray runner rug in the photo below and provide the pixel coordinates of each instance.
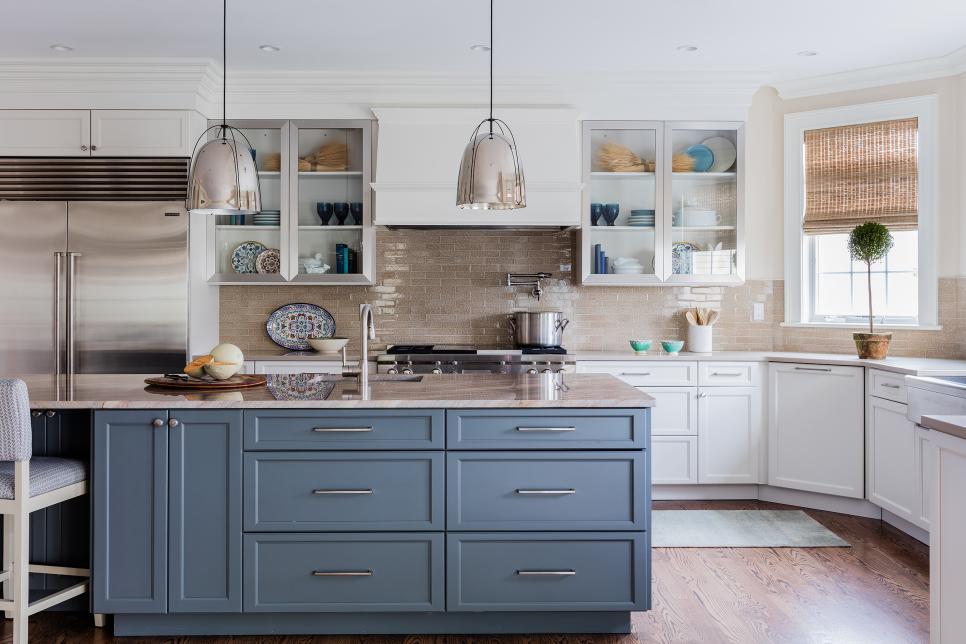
(739, 529)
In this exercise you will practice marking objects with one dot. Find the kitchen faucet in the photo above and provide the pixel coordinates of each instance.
(368, 328)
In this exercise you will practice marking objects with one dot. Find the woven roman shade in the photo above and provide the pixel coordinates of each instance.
(859, 173)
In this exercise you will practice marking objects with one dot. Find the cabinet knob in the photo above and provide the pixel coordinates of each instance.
(93, 148)
(35, 413)
(702, 395)
(51, 413)
(157, 422)
(83, 148)
(173, 422)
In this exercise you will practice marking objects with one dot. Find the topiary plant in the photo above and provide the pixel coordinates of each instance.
(870, 242)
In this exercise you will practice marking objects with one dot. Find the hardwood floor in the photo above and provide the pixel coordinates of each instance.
(875, 592)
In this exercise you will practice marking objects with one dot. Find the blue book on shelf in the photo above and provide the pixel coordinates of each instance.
(596, 258)
(603, 262)
(339, 257)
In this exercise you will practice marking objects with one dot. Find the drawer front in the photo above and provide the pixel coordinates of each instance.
(295, 491)
(547, 572)
(729, 374)
(536, 429)
(675, 412)
(884, 384)
(674, 460)
(546, 491)
(644, 373)
(343, 572)
(305, 429)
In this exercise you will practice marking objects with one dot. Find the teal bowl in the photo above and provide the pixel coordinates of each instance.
(672, 347)
(640, 346)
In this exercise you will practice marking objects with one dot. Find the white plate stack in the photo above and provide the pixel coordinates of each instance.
(627, 266)
(267, 218)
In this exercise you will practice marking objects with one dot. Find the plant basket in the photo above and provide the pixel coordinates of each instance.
(872, 346)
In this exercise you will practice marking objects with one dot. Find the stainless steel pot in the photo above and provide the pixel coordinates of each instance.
(538, 328)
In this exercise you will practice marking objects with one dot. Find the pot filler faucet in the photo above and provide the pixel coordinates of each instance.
(368, 328)
(528, 279)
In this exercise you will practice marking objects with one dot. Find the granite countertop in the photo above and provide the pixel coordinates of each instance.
(952, 425)
(903, 365)
(94, 391)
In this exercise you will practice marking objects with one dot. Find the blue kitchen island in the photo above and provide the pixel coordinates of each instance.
(447, 504)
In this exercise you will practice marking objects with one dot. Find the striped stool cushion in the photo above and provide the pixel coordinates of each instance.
(47, 473)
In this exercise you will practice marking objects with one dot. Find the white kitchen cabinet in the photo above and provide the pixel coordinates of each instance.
(45, 133)
(674, 460)
(675, 412)
(646, 373)
(729, 434)
(891, 469)
(816, 428)
(947, 557)
(925, 455)
(144, 133)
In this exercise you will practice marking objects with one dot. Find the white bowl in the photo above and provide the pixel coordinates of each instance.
(328, 345)
(221, 370)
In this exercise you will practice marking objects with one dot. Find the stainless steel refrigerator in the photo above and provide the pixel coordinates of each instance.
(93, 287)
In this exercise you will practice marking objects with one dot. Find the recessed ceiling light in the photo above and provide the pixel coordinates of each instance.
(268, 48)
(61, 48)
(807, 53)
(687, 48)
(480, 48)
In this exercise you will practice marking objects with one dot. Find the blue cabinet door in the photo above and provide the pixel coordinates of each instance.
(130, 473)
(205, 517)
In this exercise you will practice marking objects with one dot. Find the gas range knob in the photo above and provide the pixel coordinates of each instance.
(562, 370)
(438, 369)
(392, 371)
(547, 370)
(407, 372)
(454, 363)
(531, 371)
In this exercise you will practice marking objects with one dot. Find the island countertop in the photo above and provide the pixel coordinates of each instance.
(294, 391)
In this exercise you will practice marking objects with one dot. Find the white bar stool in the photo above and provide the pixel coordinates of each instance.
(27, 485)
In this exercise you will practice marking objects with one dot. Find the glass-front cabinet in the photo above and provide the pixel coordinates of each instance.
(315, 226)
(663, 203)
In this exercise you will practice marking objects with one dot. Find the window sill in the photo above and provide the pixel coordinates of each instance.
(857, 327)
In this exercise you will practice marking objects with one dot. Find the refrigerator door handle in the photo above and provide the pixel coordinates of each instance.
(71, 300)
(58, 323)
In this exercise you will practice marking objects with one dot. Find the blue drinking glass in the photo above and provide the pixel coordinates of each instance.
(324, 211)
(596, 211)
(611, 210)
(355, 209)
(341, 211)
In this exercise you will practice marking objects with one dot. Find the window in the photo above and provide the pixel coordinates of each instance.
(845, 166)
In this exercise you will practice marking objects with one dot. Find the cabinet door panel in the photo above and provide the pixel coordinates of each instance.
(674, 460)
(130, 473)
(675, 412)
(205, 562)
(816, 429)
(729, 434)
(891, 472)
(925, 457)
(141, 133)
(45, 133)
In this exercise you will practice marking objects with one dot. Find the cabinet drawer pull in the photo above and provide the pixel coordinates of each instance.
(823, 369)
(342, 573)
(328, 491)
(341, 429)
(567, 491)
(890, 385)
(636, 373)
(725, 373)
(546, 429)
(546, 573)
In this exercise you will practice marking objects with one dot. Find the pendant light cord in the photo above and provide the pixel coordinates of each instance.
(224, 65)
(491, 68)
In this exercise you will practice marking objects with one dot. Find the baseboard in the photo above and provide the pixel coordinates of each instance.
(704, 492)
(817, 501)
(906, 526)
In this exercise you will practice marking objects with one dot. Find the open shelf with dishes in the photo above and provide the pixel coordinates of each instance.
(663, 203)
(315, 225)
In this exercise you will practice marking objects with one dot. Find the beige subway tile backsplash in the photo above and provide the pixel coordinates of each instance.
(449, 287)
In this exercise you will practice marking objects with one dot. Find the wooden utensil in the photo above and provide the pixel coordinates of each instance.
(689, 315)
(713, 316)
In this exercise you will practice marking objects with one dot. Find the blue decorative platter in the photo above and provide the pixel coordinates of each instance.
(244, 256)
(291, 326)
(703, 157)
(299, 386)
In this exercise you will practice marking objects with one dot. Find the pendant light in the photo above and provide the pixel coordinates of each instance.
(490, 174)
(223, 179)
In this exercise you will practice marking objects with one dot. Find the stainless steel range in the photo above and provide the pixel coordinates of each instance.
(438, 359)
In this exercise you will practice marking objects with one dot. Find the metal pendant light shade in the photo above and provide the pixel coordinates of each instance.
(490, 174)
(223, 178)
(491, 177)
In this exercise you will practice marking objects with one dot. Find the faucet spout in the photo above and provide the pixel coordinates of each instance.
(368, 328)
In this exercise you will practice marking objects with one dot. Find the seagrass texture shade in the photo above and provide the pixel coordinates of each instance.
(862, 172)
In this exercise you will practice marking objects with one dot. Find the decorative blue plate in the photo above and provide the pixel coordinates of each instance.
(703, 157)
(244, 255)
(681, 257)
(299, 386)
(291, 325)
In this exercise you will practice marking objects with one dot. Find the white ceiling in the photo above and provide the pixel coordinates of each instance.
(533, 37)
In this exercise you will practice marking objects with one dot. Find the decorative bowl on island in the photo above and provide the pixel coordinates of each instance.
(222, 370)
(672, 347)
(640, 346)
(328, 345)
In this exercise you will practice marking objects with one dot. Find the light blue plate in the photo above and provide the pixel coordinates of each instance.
(703, 157)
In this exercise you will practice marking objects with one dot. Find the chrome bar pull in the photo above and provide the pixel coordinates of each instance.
(724, 373)
(546, 573)
(331, 491)
(890, 385)
(71, 310)
(546, 429)
(635, 373)
(559, 492)
(341, 429)
(342, 573)
(58, 323)
(822, 369)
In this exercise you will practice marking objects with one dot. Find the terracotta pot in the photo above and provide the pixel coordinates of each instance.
(874, 346)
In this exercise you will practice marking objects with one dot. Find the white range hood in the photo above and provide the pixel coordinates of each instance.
(418, 154)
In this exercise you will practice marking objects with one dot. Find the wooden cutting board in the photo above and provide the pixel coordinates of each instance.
(240, 381)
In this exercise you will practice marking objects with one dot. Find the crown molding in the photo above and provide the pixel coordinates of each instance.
(951, 64)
